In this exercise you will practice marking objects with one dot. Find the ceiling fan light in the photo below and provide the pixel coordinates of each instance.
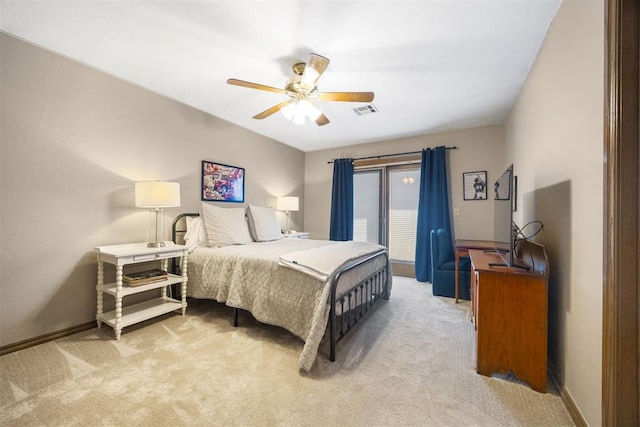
(298, 118)
(308, 109)
(289, 111)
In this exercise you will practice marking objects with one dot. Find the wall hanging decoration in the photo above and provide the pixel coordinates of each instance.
(475, 185)
(222, 183)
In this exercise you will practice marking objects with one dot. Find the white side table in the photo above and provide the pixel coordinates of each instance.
(121, 255)
(296, 235)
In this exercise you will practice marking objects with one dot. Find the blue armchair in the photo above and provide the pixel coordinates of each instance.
(443, 267)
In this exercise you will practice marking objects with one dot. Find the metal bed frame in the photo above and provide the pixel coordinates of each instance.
(347, 308)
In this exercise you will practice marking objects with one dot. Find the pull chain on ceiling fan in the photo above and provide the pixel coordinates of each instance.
(302, 90)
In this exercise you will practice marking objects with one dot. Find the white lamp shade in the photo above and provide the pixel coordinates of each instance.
(289, 203)
(157, 194)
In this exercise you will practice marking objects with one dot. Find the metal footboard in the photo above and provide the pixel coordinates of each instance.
(354, 303)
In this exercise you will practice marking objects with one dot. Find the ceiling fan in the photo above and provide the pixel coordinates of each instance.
(302, 91)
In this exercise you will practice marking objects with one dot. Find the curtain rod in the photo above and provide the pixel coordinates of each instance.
(393, 155)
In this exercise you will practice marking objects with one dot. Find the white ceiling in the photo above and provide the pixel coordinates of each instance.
(433, 65)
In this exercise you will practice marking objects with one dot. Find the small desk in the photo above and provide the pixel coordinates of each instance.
(462, 249)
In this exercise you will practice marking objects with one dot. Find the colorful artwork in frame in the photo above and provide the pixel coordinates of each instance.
(222, 183)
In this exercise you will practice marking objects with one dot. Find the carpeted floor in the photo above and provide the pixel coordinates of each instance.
(410, 363)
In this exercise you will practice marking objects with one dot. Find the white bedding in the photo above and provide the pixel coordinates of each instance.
(323, 261)
(249, 277)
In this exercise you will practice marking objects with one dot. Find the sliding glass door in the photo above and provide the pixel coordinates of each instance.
(403, 189)
(386, 210)
(367, 203)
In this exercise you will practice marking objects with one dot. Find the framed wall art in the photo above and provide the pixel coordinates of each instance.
(474, 185)
(222, 183)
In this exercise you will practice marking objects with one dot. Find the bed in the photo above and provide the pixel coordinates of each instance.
(280, 282)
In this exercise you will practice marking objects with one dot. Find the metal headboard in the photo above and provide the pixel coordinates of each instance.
(176, 227)
(179, 228)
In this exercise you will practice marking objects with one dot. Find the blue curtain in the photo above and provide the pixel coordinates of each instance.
(342, 201)
(433, 207)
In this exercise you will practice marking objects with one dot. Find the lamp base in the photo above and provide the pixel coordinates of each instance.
(159, 226)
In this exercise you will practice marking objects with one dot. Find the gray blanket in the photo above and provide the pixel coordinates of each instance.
(249, 277)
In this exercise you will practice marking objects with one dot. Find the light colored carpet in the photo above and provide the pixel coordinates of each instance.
(410, 363)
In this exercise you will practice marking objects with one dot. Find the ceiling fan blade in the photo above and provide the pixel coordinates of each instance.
(314, 68)
(346, 96)
(274, 109)
(251, 85)
(322, 120)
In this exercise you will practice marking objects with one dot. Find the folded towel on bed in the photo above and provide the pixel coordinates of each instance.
(322, 262)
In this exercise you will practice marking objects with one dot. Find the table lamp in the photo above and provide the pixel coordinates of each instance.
(157, 195)
(288, 204)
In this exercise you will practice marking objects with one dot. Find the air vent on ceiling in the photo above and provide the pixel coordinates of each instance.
(367, 109)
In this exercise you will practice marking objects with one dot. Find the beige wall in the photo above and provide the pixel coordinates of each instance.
(480, 149)
(74, 140)
(554, 136)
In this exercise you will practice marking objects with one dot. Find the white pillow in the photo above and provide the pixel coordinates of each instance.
(195, 235)
(225, 226)
(263, 224)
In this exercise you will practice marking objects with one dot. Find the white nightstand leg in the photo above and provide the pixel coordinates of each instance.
(163, 291)
(183, 286)
(118, 327)
(99, 292)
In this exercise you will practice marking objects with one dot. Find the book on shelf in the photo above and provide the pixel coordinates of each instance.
(146, 281)
(143, 277)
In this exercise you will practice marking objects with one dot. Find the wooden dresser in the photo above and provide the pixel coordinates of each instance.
(509, 308)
